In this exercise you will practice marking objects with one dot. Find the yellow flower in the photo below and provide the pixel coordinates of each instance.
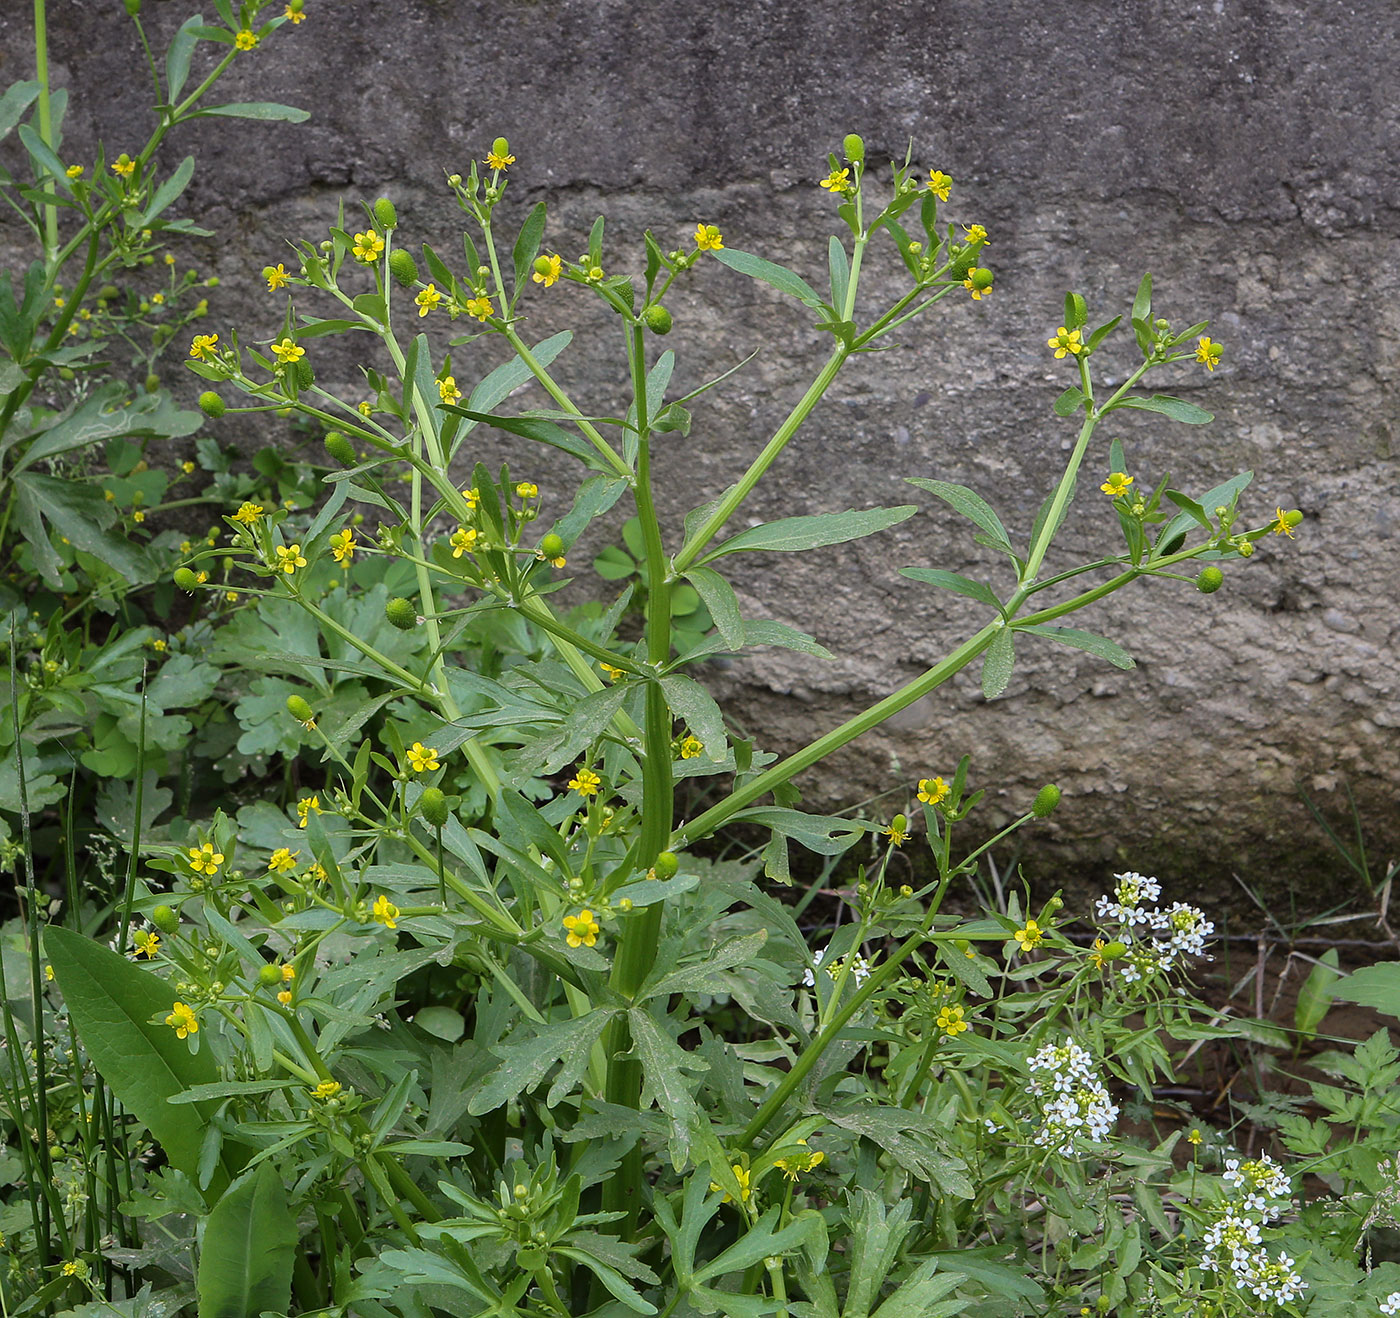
(480, 307)
(461, 540)
(939, 184)
(585, 782)
(497, 161)
(427, 300)
(472, 496)
(1281, 525)
(283, 861)
(1031, 936)
(124, 166)
(422, 759)
(248, 513)
(897, 836)
(791, 1167)
(1096, 956)
(975, 233)
(160, 645)
(708, 238)
(1208, 353)
(277, 277)
(343, 546)
(838, 181)
(138, 516)
(554, 264)
(950, 1021)
(75, 1268)
(74, 171)
(158, 299)
(295, 16)
(289, 972)
(187, 468)
(326, 1089)
(1065, 340)
(978, 283)
(1194, 1137)
(316, 872)
(611, 673)
(230, 595)
(285, 997)
(447, 389)
(691, 748)
(289, 558)
(527, 490)
(304, 808)
(581, 929)
(245, 40)
(288, 352)
(1117, 484)
(182, 1020)
(742, 1175)
(202, 347)
(385, 912)
(147, 943)
(932, 790)
(204, 859)
(368, 247)
(364, 408)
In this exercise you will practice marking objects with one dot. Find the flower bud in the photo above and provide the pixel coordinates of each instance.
(1210, 580)
(270, 975)
(402, 614)
(341, 449)
(454, 180)
(657, 319)
(666, 865)
(108, 291)
(1045, 801)
(185, 579)
(211, 404)
(385, 216)
(552, 546)
(500, 147)
(403, 267)
(299, 709)
(165, 919)
(152, 383)
(133, 7)
(624, 904)
(854, 148)
(432, 805)
(1245, 547)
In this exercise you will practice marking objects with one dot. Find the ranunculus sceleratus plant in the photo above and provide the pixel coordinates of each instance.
(861, 1103)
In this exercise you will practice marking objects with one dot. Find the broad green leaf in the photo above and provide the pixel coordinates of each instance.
(1226, 493)
(702, 976)
(168, 192)
(550, 751)
(18, 97)
(177, 55)
(663, 1060)
(525, 1064)
(77, 512)
(1069, 402)
(1178, 409)
(840, 273)
(827, 835)
(526, 246)
(761, 1241)
(793, 534)
(768, 631)
(912, 1139)
(540, 429)
(99, 418)
(969, 503)
(267, 111)
(876, 1237)
(1142, 300)
(952, 581)
(1315, 997)
(1099, 645)
(690, 702)
(1372, 986)
(722, 603)
(44, 159)
(997, 664)
(113, 1004)
(777, 276)
(245, 1261)
(1076, 312)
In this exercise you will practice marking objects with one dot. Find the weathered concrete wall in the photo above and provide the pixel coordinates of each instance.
(1245, 151)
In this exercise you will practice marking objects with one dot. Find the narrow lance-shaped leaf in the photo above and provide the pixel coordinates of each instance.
(969, 503)
(997, 664)
(1178, 409)
(690, 702)
(245, 1262)
(1087, 641)
(779, 277)
(792, 534)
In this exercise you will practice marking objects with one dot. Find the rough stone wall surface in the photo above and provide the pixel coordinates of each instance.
(1247, 152)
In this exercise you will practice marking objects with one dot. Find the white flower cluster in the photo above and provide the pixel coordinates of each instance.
(1391, 1304)
(860, 968)
(1179, 930)
(1074, 1104)
(1233, 1243)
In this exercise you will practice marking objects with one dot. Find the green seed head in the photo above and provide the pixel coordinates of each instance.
(981, 277)
(165, 919)
(402, 614)
(299, 709)
(432, 805)
(152, 383)
(854, 148)
(552, 546)
(1045, 801)
(341, 449)
(306, 377)
(403, 267)
(385, 216)
(667, 863)
(270, 975)
(211, 404)
(500, 147)
(185, 579)
(657, 319)
(1210, 580)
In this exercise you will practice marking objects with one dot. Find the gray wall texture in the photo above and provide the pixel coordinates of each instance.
(1247, 152)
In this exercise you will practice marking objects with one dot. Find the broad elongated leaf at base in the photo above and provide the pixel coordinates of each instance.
(112, 1004)
(245, 1264)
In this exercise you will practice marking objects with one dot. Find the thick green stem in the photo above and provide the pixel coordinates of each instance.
(727, 507)
(41, 73)
(713, 818)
